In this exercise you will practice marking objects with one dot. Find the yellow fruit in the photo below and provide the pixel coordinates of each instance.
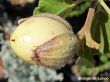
(45, 39)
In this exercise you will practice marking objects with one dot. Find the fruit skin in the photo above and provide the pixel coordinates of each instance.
(45, 39)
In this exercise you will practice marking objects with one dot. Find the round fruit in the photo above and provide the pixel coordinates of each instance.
(45, 39)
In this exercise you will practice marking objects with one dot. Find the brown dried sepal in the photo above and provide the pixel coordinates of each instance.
(56, 52)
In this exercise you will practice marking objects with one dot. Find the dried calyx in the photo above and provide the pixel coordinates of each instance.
(45, 39)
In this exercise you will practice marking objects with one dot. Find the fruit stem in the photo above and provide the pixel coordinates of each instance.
(103, 4)
(64, 12)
